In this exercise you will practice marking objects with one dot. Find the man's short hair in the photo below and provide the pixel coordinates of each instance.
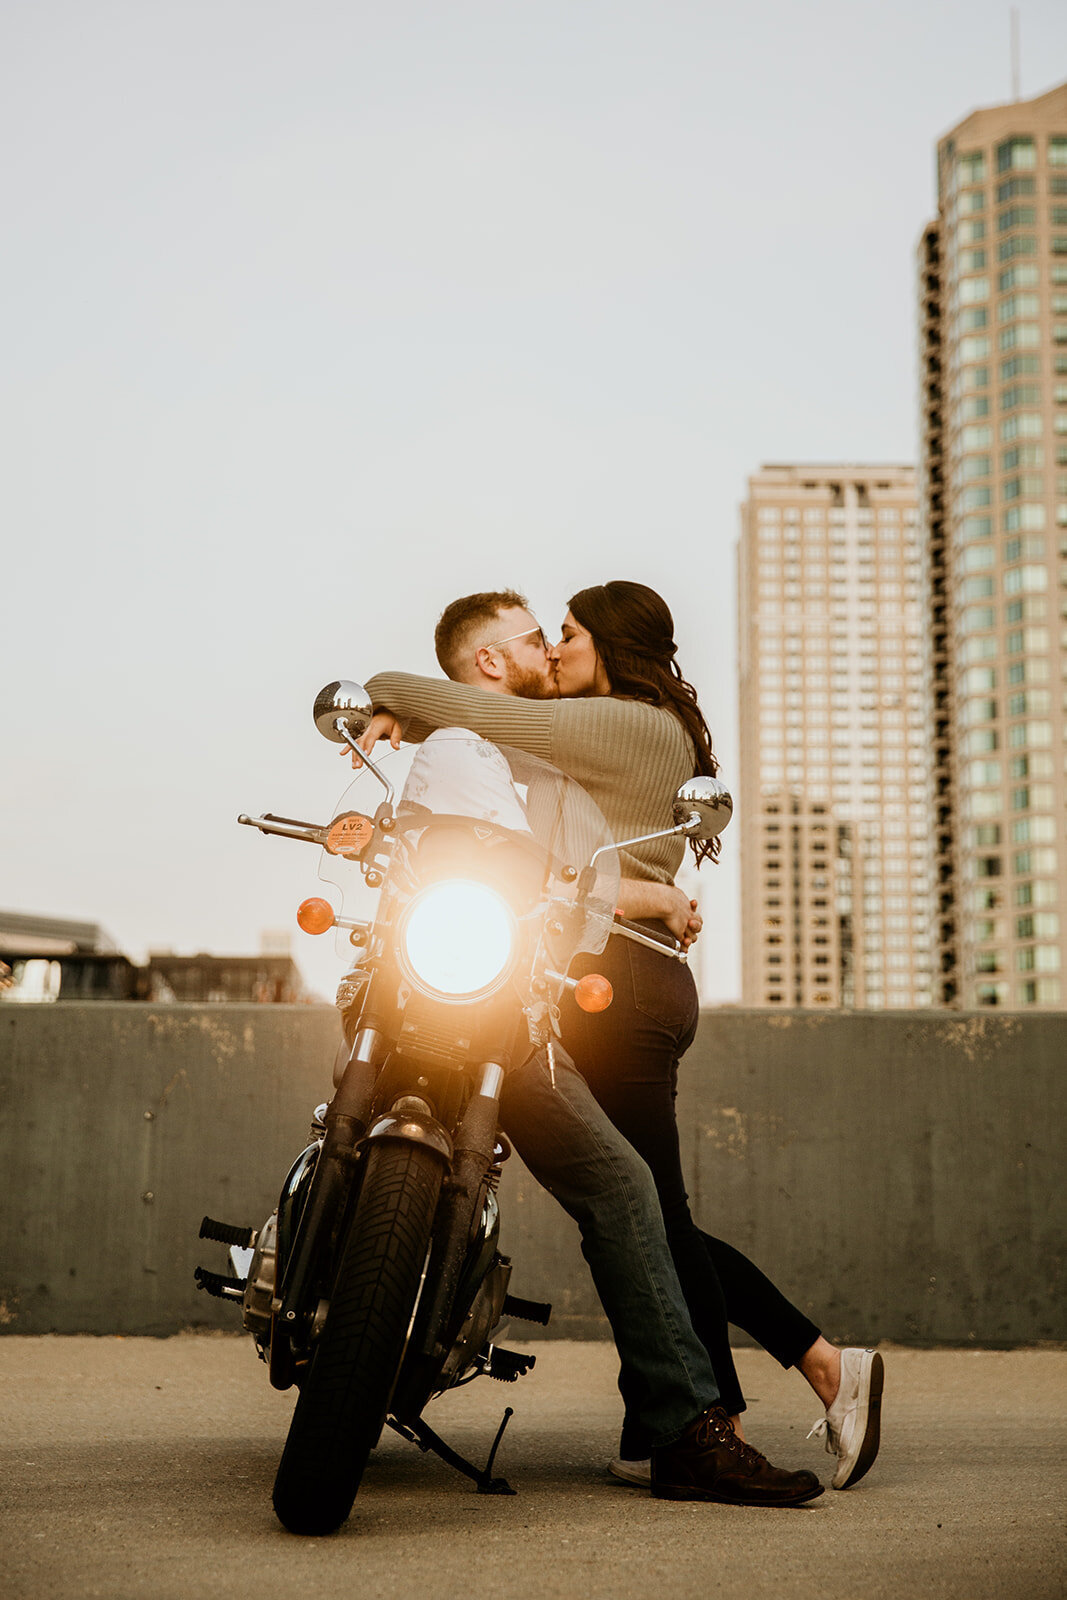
(463, 620)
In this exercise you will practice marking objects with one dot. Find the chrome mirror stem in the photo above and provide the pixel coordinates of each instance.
(624, 844)
(347, 738)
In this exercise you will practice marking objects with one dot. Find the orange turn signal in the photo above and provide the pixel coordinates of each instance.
(315, 915)
(593, 992)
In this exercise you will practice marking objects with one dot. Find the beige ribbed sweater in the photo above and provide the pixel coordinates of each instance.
(629, 756)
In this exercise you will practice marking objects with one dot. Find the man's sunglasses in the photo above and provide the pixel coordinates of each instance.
(527, 632)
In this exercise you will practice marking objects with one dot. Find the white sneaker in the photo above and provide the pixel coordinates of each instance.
(851, 1424)
(639, 1472)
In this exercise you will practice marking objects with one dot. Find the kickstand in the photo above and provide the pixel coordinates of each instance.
(419, 1432)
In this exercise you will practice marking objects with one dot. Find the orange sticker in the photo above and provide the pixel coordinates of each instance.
(349, 834)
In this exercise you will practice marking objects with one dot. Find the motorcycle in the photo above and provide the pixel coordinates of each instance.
(378, 1282)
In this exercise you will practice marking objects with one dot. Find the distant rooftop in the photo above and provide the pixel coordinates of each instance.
(840, 469)
(30, 934)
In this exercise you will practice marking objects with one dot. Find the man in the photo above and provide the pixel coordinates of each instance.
(519, 664)
(492, 642)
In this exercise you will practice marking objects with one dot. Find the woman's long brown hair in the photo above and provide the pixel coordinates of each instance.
(633, 631)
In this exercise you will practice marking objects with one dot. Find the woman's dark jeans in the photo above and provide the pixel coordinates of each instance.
(629, 1056)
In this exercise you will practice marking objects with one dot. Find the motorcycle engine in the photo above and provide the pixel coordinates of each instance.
(259, 1289)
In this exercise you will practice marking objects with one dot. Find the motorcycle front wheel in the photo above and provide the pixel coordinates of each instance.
(345, 1395)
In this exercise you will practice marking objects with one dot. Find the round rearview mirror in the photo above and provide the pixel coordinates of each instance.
(342, 702)
(704, 806)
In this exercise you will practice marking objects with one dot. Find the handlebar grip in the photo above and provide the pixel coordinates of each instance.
(668, 941)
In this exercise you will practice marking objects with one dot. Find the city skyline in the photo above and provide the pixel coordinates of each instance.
(356, 311)
(993, 390)
(975, 813)
(835, 906)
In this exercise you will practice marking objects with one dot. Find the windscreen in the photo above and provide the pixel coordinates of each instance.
(497, 792)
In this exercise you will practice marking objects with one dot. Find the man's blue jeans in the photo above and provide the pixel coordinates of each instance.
(572, 1148)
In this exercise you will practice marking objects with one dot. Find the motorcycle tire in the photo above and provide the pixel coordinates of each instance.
(345, 1394)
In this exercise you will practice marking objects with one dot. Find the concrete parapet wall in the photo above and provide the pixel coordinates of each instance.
(898, 1174)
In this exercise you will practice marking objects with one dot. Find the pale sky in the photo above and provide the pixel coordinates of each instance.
(316, 316)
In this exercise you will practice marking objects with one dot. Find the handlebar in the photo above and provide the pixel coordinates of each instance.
(286, 828)
(666, 945)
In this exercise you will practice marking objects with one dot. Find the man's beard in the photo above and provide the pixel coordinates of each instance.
(529, 683)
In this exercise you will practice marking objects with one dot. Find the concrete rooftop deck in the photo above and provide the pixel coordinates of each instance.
(135, 1468)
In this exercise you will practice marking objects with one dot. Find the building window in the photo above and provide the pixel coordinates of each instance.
(1015, 155)
(1017, 366)
(972, 318)
(1025, 579)
(1025, 425)
(1019, 244)
(1021, 335)
(1033, 829)
(1020, 394)
(1022, 455)
(1014, 488)
(1019, 305)
(1021, 277)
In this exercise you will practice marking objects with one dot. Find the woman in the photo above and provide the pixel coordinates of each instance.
(618, 639)
(628, 727)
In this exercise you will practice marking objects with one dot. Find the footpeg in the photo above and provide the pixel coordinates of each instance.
(526, 1310)
(227, 1233)
(219, 1285)
(508, 1365)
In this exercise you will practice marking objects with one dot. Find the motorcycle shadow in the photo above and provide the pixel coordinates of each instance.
(401, 1482)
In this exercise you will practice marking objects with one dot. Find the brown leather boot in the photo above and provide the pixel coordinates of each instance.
(709, 1462)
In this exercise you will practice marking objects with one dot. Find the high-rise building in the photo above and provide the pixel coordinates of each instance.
(833, 800)
(993, 495)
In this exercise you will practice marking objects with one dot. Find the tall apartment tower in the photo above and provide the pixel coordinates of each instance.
(834, 744)
(993, 495)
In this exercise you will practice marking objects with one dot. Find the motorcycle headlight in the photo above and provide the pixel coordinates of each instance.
(458, 941)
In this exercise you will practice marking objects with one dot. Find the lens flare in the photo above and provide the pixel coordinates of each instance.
(458, 940)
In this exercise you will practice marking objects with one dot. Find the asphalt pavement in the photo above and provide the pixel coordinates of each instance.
(141, 1469)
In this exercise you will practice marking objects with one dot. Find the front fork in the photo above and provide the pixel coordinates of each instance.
(474, 1145)
(346, 1123)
